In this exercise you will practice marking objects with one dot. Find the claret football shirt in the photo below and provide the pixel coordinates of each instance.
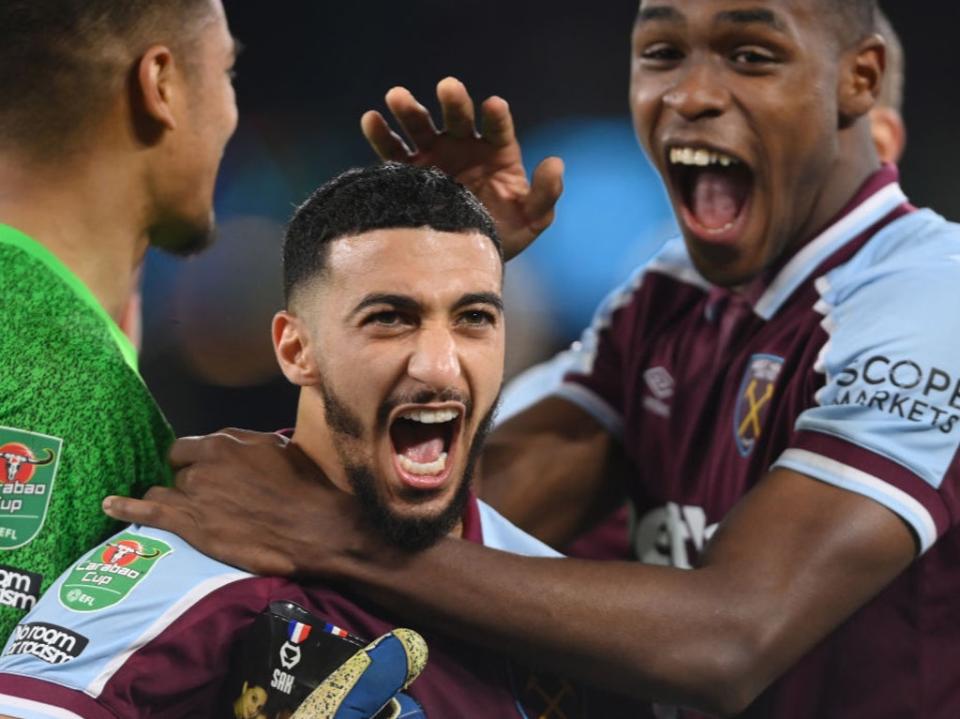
(842, 364)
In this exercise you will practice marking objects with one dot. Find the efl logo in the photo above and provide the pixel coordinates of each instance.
(754, 399)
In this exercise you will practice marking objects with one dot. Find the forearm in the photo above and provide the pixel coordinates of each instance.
(647, 631)
(790, 563)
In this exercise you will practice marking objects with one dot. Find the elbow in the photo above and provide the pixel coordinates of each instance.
(730, 699)
(730, 687)
(721, 677)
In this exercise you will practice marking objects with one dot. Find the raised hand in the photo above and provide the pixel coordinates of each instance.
(487, 161)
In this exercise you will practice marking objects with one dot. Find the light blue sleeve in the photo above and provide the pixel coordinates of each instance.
(112, 602)
(888, 413)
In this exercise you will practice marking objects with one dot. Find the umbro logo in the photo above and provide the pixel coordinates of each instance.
(660, 382)
(661, 385)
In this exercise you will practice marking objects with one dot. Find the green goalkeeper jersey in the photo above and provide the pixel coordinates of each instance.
(76, 422)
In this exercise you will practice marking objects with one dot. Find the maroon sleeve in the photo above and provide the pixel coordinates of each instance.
(596, 365)
(181, 672)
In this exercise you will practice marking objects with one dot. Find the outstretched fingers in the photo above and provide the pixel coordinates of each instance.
(385, 142)
(459, 117)
(414, 119)
(497, 122)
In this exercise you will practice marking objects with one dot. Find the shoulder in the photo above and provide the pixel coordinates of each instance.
(895, 298)
(133, 590)
(904, 264)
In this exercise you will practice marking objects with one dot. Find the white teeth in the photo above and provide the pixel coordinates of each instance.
(430, 416)
(434, 467)
(699, 157)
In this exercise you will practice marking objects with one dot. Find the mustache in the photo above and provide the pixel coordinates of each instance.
(425, 396)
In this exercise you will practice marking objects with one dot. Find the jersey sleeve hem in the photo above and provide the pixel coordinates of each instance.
(28, 698)
(851, 467)
(593, 404)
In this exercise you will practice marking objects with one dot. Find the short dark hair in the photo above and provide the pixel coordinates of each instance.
(62, 60)
(853, 20)
(383, 196)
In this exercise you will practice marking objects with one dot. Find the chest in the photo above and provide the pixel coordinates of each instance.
(711, 399)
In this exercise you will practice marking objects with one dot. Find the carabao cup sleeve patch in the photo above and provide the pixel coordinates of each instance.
(109, 573)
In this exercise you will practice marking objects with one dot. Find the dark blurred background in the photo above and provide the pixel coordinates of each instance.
(310, 69)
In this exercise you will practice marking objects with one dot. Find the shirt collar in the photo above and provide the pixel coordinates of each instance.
(875, 201)
(15, 238)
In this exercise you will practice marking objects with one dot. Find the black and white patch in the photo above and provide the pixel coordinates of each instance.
(19, 588)
(47, 642)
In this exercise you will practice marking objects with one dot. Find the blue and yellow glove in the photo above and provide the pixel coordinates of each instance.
(369, 684)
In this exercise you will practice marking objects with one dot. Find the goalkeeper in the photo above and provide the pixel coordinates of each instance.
(106, 146)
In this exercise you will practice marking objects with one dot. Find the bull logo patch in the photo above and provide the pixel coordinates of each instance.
(754, 400)
(110, 572)
(28, 468)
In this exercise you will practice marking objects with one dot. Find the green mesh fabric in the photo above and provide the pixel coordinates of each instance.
(65, 372)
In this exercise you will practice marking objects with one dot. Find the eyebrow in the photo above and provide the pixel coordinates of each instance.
(405, 302)
(660, 12)
(752, 16)
(238, 47)
(401, 302)
(747, 16)
(480, 298)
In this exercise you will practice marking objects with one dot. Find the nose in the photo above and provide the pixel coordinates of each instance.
(435, 361)
(698, 93)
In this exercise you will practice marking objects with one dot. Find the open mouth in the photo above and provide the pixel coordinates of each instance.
(714, 189)
(423, 441)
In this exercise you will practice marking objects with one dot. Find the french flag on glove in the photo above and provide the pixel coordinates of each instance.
(298, 631)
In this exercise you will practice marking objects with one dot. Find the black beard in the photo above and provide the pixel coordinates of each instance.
(408, 533)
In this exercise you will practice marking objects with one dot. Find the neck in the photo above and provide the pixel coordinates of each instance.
(855, 162)
(89, 210)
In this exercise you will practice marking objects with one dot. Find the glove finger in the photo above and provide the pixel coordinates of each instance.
(363, 684)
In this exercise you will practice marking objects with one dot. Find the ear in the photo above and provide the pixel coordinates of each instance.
(889, 133)
(291, 344)
(154, 90)
(861, 75)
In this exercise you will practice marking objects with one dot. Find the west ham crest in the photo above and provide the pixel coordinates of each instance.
(754, 399)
